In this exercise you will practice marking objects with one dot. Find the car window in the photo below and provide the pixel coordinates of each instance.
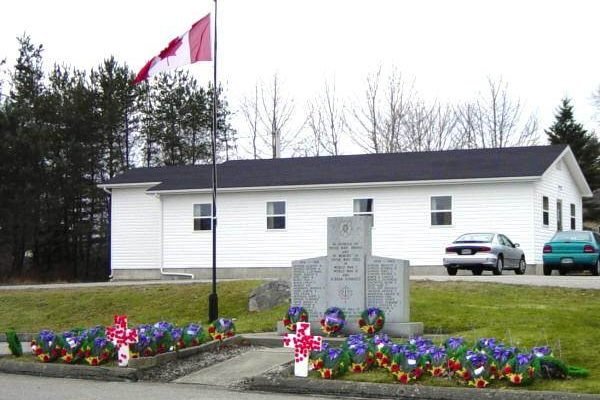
(572, 236)
(507, 241)
(597, 237)
(475, 238)
(501, 240)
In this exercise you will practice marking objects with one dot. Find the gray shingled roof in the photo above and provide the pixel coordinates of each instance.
(393, 167)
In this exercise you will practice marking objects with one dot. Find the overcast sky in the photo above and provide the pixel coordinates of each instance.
(544, 50)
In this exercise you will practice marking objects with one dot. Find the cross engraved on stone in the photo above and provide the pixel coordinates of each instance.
(121, 337)
(302, 343)
(345, 293)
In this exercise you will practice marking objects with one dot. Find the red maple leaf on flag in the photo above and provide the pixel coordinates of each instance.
(171, 48)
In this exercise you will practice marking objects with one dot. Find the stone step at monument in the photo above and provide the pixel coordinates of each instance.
(246, 365)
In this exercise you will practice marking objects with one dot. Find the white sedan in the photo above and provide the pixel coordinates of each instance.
(490, 251)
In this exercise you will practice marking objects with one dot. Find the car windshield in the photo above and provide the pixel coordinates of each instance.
(571, 236)
(475, 238)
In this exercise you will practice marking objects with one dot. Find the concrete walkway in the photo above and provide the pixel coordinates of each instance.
(246, 365)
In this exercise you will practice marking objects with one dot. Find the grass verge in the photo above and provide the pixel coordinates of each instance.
(566, 319)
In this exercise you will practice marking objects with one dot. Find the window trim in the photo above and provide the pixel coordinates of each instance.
(201, 217)
(546, 212)
(284, 215)
(432, 211)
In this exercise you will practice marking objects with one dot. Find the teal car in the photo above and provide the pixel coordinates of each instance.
(572, 251)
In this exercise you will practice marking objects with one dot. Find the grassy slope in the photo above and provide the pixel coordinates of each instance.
(566, 319)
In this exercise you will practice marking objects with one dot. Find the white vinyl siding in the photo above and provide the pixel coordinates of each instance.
(402, 223)
(555, 184)
(135, 229)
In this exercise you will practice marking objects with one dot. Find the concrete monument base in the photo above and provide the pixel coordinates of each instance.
(393, 329)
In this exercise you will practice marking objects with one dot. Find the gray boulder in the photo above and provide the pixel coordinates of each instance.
(268, 295)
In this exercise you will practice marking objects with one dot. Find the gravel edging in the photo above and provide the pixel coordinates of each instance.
(159, 368)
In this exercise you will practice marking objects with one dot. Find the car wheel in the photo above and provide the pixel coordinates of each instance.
(499, 266)
(562, 271)
(596, 268)
(522, 267)
(547, 270)
(477, 271)
(451, 271)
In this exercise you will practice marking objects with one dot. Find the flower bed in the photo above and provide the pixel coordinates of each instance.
(92, 346)
(476, 364)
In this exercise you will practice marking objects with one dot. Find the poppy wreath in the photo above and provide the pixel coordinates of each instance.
(371, 320)
(45, 346)
(70, 343)
(361, 352)
(294, 315)
(221, 328)
(333, 321)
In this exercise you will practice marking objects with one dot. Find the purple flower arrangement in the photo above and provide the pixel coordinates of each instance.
(477, 365)
(371, 320)
(333, 321)
(361, 352)
(293, 315)
(91, 345)
(221, 329)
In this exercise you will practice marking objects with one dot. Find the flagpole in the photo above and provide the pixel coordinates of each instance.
(213, 300)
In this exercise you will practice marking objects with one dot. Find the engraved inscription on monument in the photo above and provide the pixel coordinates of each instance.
(309, 281)
(386, 287)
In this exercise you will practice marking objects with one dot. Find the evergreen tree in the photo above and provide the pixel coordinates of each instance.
(585, 147)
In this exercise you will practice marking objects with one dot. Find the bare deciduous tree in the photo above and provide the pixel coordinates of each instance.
(378, 121)
(429, 127)
(494, 120)
(269, 114)
(325, 121)
(249, 109)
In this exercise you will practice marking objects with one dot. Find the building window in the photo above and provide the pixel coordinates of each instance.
(363, 207)
(545, 211)
(573, 220)
(559, 225)
(202, 217)
(441, 210)
(276, 215)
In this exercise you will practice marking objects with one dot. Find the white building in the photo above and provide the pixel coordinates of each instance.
(271, 212)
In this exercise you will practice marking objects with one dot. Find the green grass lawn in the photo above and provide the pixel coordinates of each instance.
(566, 319)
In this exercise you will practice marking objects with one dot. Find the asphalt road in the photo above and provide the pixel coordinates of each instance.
(23, 387)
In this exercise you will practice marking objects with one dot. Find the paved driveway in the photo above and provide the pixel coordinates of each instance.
(569, 281)
(574, 281)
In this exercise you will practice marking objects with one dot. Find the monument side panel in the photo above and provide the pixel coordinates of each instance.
(309, 285)
(388, 287)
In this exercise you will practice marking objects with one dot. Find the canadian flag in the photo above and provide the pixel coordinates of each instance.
(192, 46)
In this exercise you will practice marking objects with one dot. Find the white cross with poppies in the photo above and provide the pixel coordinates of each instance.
(121, 337)
(302, 343)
